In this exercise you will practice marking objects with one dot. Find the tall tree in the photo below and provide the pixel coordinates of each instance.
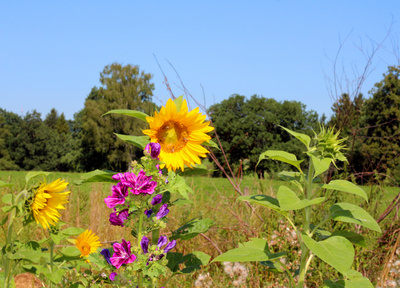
(248, 127)
(124, 87)
(6, 163)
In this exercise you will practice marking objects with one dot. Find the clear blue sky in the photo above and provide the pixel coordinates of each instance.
(51, 52)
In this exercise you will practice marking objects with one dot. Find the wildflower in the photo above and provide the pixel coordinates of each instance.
(87, 243)
(144, 243)
(117, 219)
(106, 253)
(139, 184)
(180, 135)
(162, 212)
(112, 276)
(159, 253)
(119, 193)
(48, 199)
(122, 254)
(153, 149)
(148, 212)
(156, 199)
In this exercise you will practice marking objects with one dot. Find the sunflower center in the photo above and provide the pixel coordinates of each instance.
(85, 248)
(172, 136)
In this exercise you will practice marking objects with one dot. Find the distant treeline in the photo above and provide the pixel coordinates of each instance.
(246, 127)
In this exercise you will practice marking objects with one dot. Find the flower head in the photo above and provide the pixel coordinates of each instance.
(153, 149)
(162, 212)
(119, 193)
(87, 243)
(180, 134)
(156, 199)
(48, 199)
(122, 254)
(117, 219)
(138, 184)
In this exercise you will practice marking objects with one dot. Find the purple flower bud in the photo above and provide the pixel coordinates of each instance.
(148, 212)
(162, 241)
(106, 253)
(145, 244)
(112, 276)
(154, 149)
(156, 199)
(162, 212)
(169, 246)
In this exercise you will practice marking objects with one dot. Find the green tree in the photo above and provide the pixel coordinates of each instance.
(247, 128)
(381, 148)
(6, 163)
(124, 87)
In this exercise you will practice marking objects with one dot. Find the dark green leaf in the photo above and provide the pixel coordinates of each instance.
(192, 229)
(96, 176)
(138, 141)
(131, 113)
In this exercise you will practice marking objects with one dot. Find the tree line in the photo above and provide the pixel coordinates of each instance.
(245, 126)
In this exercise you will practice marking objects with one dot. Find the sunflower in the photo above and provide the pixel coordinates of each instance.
(180, 134)
(87, 243)
(48, 199)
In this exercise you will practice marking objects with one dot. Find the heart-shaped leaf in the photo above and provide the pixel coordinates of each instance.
(288, 200)
(346, 186)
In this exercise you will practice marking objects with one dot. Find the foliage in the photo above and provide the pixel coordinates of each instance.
(247, 127)
(124, 87)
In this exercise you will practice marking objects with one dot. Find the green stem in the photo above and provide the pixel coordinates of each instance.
(155, 234)
(51, 255)
(139, 233)
(292, 283)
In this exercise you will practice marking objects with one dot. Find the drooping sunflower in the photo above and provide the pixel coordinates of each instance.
(180, 134)
(48, 199)
(87, 242)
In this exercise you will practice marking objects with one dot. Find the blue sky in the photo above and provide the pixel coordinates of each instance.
(51, 52)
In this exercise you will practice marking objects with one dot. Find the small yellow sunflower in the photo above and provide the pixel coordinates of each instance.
(48, 199)
(180, 135)
(87, 243)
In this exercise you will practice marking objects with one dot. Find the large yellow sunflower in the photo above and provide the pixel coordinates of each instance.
(180, 135)
(48, 199)
(87, 243)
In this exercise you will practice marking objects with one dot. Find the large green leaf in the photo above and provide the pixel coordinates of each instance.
(288, 200)
(305, 139)
(4, 184)
(96, 176)
(356, 280)
(336, 251)
(211, 143)
(138, 141)
(131, 113)
(282, 156)
(192, 261)
(320, 165)
(353, 237)
(263, 200)
(254, 250)
(192, 229)
(346, 186)
(199, 169)
(177, 184)
(351, 213)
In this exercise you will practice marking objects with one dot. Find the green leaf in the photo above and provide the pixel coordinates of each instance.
(305, 139)
(4, 220)
(197, 170)
(346, 186)
(98, 260)
(7, 199)
(34, 174)
(351, 213)
(180, 202)
(254, 250)
(96, 176)
(288, 200)
(70, 251)
(281, 156)
(138, 141)
(57, 238)
(177, 184)
(7, 209)
(131, 113)
(192, 261)
(263, 200)
(23, 253)
(192, 229)
(356, 280)
(56, 276)
(72, 231)
(178, 103)
(353, 237)
(212, 144)
(336, 251)
(4, 184)
(320, 165)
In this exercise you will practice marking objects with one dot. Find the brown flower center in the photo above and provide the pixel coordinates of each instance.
(172, 136)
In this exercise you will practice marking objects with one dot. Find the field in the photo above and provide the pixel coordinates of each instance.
(235, 222)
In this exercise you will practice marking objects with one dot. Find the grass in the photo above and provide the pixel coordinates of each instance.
(234, 223)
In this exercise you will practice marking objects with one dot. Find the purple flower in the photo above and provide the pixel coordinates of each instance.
(162, 212)
(156, 199)
(154, 149)
(112, 276)
(159, 170)
(106, 253)
(122, 254)
(119, 192)
(139, 184)
(117, 219)
(163, 240)
(145, 244)
(169, 246)
(148, 212)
